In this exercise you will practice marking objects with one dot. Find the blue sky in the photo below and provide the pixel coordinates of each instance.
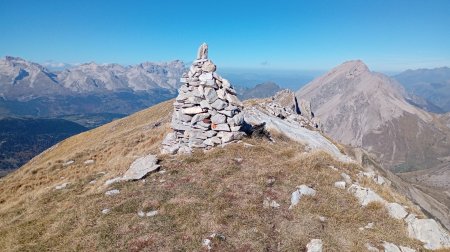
(308, 35)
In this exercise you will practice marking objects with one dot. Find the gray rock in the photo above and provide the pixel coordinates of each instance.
(340, 184)
(301, 191)
(227, 113)
(199, 117)
(315, 245)
(141, 167)
(208, 66)
(205, 105)
(210, 95)
(193, 110)
(396, 211)
(62, 186)
(238, 119)
(218, 119)
(221, 94)
(220, 127)
(346, 178)
(226, 137)
(205, 76)
(219, 104)
(365, 195)
(112, 192)
(428, 231)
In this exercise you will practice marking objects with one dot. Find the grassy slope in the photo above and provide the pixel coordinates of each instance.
(198, 195)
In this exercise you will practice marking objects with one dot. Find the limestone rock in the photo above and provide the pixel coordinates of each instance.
(340, 184)
(365, 195)
(315, 245)
(141, 167)
(428, 231)
(396, 211)
(112, 192)
(301, 191)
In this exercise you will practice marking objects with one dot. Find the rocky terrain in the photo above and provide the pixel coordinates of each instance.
(431, 84)
(361, 108)
(283, 187)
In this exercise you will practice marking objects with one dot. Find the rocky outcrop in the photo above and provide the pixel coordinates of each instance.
(428, 231)
(206, 111)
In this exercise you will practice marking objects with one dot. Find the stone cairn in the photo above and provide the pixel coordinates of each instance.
(207, 112)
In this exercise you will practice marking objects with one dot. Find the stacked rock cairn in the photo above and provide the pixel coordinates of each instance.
(207, 112)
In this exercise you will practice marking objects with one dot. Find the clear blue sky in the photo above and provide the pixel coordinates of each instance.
(388, 35)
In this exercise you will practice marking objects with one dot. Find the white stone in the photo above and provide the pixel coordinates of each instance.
(268, 203)
(205, 76)
(112, 181)
(301, 191)
(141, 167)
(68, 163)
(152, 213)
(207, 243)
(219, 104)
(396, 211)
(218, 119)
(112, 192)
(365, 195)
(315, 245)
(210, 95)
(199, 117)
(221, 127)
(205, 105)
(226, 83)
(428, 231)
(208, 66)
(339, 184)
(192, 110)
(221, 94)
(88, 162)
(226, 137)
(106, 211)
(390, 247)
(62, 186)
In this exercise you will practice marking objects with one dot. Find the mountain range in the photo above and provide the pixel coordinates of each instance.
(369, 110)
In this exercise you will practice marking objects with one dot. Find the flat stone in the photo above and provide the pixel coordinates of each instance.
(220, 127)
(113, 180)
(208, 66)
(226, 83)
(62, 186)
(390, 247)
(226, 137)
(194, 100)
(210, 95)
(106, 211)
(365, 195)
(199, 117)
(218, 119)
(141, 167)
(112, 192)
(340, 184)
(428, 231)
(302, 190)
(205, 76)
(315, 245)
(219, 104)
(396, 211)
(227, 113)
(68, 163)
(235, 128)
(205, 104)
(210, 133)
(170, 149)
(193, 110)
(89, 162)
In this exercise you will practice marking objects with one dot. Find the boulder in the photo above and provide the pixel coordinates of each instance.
(429, 232)
(192, 110)
(141, 167)
(396, 211)
(365, 195)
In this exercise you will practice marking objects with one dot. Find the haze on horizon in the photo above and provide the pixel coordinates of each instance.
(389, 36)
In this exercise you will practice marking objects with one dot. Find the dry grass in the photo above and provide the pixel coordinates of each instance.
(196, 196)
